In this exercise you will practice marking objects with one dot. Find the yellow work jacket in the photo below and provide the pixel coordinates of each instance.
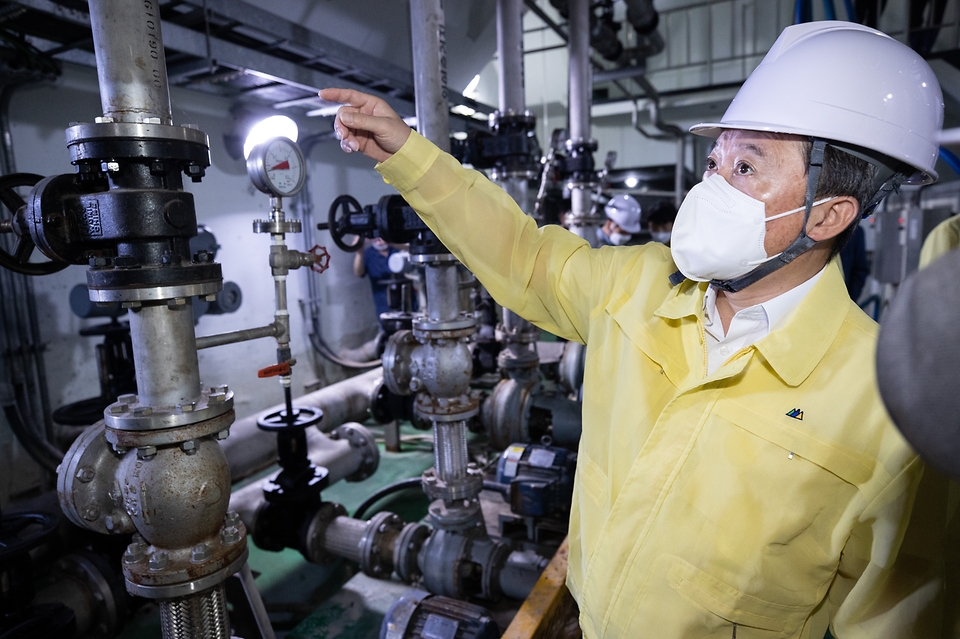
(771, 496)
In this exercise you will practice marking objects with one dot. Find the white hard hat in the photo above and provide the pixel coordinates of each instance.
(625, 211)
(847, 83)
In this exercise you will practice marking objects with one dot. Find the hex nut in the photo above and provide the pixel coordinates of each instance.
(218, 398)
(146, 452)
(200, 553)
(135, 552)
(187, 407)
(159, 560)
(189, 446)
(232, 520)
(91, 512)
(118, 409)
(142, 411)
(223, 434)
(230, 535)
(109, 522)
(127, 399)
(85, 474)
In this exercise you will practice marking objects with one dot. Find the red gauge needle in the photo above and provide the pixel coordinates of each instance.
(283, 165)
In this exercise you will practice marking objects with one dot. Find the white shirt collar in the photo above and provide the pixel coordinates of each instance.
(749, 325)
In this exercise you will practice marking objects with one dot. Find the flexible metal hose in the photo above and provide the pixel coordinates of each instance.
(200, 616)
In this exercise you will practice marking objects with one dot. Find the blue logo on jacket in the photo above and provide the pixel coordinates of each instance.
(796, 413)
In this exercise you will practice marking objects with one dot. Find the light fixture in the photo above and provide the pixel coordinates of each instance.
(275, 126)
(462, 109)
(471, 89)
(631, 182)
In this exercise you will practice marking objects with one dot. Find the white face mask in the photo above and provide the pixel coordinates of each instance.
(719, 231)
(619, 239)
(660, 236)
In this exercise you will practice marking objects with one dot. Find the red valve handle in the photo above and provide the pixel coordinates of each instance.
(321, 258)
(275, 370)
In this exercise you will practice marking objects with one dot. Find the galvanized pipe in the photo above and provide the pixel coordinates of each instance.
(580, 88)
(244, 335)
(165, 353)
(443, 292)
(428, 31)
(510, 51)
(130, 61)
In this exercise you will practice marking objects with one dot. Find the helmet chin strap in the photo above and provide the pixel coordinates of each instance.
(888, 181)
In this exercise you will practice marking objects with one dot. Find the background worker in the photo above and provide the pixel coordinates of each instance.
(736, 469)
(622, 223)
(660, 221)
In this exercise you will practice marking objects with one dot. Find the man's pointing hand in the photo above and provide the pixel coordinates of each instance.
(366, 124)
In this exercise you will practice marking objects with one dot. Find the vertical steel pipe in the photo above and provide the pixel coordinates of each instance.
(130, 61)
(165, 353)
(510, 50)
(200, 616)
(428, 32)
(443, 292)
(450, 450)
(580, 88)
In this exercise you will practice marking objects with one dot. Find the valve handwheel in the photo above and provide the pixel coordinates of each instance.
(338, 222)
(19, 260)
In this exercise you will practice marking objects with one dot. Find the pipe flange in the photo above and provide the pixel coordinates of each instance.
(155, 293)
(463, 517)
(466, 488)
(87, 131)
(397, 359)
(432, 258)
(128, 414)
(219, 426)
(374, 560)
(313, 546)
(86, 485)
(491, 556)
(108, 605)
(361, 439)
(425, 326)
(274, 227)
(516, 337)
(191, 587)
(447, 409)
(161, 573)
(405, 551)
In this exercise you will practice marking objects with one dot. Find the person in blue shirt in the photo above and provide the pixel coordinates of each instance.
(372, 261)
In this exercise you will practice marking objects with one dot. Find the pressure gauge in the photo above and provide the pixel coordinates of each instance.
(276, 167)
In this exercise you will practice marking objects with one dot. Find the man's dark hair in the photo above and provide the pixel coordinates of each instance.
(843, 174)
(663, 212)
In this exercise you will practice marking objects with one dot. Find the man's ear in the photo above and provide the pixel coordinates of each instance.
(831, 218)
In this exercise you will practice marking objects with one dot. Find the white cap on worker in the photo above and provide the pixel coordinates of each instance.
(625, 211)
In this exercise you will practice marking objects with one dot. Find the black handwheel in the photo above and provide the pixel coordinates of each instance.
(19, 260)
(338, 222)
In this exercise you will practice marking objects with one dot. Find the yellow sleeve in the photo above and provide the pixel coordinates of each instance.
(883, 590)
(547, 275)
(942, 239)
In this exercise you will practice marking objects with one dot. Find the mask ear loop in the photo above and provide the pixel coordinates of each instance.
(799, 246)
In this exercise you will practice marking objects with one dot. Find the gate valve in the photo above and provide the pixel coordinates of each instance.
(275, 370)
(321, 258)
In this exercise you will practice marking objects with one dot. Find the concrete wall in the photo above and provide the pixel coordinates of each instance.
(226, 202)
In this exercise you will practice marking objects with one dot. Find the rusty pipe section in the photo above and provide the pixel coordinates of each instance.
(250, 450)
(130, 62)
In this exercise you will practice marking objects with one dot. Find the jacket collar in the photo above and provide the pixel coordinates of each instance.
(794, 350)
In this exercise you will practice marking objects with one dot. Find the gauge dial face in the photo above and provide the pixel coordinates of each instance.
(277, 167)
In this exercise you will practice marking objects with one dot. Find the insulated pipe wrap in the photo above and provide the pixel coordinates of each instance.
(200, 616)
(342, 537)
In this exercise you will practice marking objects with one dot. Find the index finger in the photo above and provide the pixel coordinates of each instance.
(347, 96)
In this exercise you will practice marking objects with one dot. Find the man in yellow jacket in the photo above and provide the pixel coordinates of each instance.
(737, 474)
